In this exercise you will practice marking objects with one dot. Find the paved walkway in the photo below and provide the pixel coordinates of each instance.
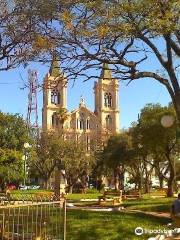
(156, 214)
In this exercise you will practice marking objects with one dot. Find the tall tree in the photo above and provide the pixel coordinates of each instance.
(158, 142)
(116, 156)
(52, 153)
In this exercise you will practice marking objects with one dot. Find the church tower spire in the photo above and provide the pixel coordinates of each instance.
(106, 100)
(55, 70)
(106, 72)
(54, 94)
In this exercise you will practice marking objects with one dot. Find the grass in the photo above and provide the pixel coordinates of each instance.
(78, 196)
(86, 225)
(32, 191)
(151, 205)
(145, 204)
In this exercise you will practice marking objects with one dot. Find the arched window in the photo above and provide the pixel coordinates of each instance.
(55, 97)
(81, 124)
(87, 123)
(107, 100)
(108, 121)
(54, 120)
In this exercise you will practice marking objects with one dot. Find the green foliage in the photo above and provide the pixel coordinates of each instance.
(150, 133)
(53, 151)
(13, 131)
(156, 144)
(118, 149)
(13, 135)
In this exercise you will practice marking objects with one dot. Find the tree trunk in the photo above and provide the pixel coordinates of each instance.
(57, 176)
(161, 181)
(178, 109)
(116, 180)
(147, 190)
(70, 189)
(170, 187)
(146, 181)
(176, 102)
(45, 185)
(140, 185)
(116, 183)
(170, 182)
(121, 181)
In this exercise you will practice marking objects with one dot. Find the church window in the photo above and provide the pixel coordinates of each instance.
(108, 121)
(81, 124)
(55, 97)
(107, 100)
(87, 123)
(55, 120)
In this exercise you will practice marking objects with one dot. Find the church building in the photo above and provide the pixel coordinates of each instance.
(81, 124)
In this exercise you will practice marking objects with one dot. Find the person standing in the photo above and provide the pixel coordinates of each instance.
(176, 207)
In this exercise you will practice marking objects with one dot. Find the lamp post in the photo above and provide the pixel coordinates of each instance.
(26, 146)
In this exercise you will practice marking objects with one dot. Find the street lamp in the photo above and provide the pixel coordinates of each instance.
(167, 120)
(26, 146)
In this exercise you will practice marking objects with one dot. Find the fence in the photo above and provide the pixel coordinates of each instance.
(36, 219)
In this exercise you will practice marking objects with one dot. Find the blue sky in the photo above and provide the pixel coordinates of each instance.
(132, 97)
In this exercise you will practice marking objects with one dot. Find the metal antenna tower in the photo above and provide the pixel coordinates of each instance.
(32, 115)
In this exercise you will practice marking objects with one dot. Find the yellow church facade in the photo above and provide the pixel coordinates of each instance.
(81, 124)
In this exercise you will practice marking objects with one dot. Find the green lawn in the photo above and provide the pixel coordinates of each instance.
(86, 225)
(144, 204)
(149, 204)
(78, 196)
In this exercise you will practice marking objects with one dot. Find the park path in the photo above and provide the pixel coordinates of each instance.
(156, 214)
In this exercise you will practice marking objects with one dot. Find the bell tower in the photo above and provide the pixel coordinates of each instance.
(54, 95)
(106, 92)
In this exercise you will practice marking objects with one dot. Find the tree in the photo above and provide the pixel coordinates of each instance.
(61, 116)
(11, 167)
(78, 165)
(126, 34)
(159, 144)
(53, 152)
(42, 158)
(17, 35)
(13, 135)
(116, 156)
